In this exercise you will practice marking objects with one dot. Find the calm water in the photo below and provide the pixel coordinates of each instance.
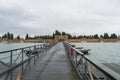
(102, 52)
(10, 46)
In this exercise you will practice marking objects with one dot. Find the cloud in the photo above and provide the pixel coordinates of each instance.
(45, 16)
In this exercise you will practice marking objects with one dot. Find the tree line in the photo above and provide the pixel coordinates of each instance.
(96, 36)
(9, 35)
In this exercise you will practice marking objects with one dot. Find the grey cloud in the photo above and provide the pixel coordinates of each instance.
(43, 17)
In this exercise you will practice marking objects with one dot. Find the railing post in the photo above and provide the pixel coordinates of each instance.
(29, 58)
(35, 51)
(39, 51)
(22, 59)
(76, 59)
(11, 60)
(44, 48)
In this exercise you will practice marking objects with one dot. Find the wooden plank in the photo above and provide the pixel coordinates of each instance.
(53, 66)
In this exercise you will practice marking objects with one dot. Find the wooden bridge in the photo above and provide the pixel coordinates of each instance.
(58, 61)
(54, 65)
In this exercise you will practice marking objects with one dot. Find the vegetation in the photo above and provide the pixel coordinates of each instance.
(9, 35)
(18, 37)
(27, 36)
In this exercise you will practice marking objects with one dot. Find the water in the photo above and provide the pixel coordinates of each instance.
(102, 52)
(10, 46)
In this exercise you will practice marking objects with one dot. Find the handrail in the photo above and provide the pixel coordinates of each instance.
(17, 49)
(84, 64)
(15, 60)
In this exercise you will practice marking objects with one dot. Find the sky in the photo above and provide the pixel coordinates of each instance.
(43, 17)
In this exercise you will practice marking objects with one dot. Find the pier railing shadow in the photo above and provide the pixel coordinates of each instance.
(14, 62)
(86, 68)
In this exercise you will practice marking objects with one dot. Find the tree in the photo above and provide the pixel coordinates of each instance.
(8, 35)
(74, 37)
(91, 36)
(57, 32)
(69, 36)
(11, 36)
(63, 33)
(96, 36)
(106, 36)
(27, 36)
(4, 36)
(113, 36)
(79, 37)
(53, 35)
(18, 37)
(101, 36)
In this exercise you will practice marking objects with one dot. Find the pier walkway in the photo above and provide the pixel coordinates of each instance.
(53, 61)
(54, 65)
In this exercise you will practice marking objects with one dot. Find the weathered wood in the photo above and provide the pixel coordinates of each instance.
(53, 66)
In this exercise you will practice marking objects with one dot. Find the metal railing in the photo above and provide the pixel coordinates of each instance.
(13, 62)
(86, 68)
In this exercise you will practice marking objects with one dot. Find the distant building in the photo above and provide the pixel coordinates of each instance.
(61, 38)
(39, 40)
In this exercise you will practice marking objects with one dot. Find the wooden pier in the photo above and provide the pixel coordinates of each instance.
(54, 62)
(54, 65)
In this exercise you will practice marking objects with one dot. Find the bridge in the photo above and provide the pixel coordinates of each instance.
(51, 61)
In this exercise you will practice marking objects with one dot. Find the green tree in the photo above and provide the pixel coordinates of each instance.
(63, 33)
(96, 36)
(53, 35)
(106, 36)
(101, 36)
(18, 37)
(113, 36)
(57, 32)
(11, 36)
(74, 37)
(27, 36)
(81, 36)
(4, 36)
(69, 36)
(8, 35)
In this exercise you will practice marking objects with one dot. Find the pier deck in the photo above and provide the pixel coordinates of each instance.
(51, 62)
(54, 65)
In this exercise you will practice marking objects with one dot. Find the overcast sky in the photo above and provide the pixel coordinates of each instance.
(37, 17)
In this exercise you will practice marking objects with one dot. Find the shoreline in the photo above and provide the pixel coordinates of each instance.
(52, 40)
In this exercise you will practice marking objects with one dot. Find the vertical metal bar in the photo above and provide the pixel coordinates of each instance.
(41, 50)
(22, 59)
(38, 51)
(76, 59)
(22, 55)
(29, 58)
(11, 60)
(44, 48)
(35, 53)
